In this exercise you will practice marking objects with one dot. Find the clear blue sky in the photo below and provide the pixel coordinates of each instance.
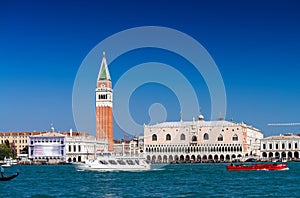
(255, 44)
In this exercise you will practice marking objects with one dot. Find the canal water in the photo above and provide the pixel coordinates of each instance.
(178, 180)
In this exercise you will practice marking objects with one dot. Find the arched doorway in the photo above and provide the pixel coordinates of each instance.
(187, 158)
(79, 158)
(193, 158)
(176, 158)
(216, 158)
(170, 158)
(181, 158)
(283, 155)
(270, 154)
(159, 159)
(227, 157)
(264, 154)
(153, 159)
(222, 158)
(165, 159)
(296, 154)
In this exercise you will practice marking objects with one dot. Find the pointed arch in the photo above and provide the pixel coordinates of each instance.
(194, 138)
(220, 137)
(154, 137)
(182, 137)
(168, 137)
(205, 136)
(235, 137)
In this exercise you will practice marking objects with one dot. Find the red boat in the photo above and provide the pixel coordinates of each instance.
(256, 167)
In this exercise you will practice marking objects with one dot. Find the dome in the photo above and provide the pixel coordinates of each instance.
(200, 117)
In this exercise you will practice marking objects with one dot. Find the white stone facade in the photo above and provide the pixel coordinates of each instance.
(47, 147)
(82, 146)
(282, 146)
(200, 141)
(133, 147)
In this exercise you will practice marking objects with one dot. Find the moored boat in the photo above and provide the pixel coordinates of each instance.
(107, 161)
(272, 166)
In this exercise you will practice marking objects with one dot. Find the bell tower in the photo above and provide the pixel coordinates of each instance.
(104, 98)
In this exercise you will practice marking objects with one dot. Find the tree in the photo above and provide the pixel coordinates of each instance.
(4, 151)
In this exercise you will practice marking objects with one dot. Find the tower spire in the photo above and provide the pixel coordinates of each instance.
(104, 73)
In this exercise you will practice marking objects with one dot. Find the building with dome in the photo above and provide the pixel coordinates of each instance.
(200, 140)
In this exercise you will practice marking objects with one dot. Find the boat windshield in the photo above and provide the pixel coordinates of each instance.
(121, 162)
(103, 162)
(104, 154)
(112, 162)
(130, 162)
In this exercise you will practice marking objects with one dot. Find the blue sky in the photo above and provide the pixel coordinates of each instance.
(255, 45)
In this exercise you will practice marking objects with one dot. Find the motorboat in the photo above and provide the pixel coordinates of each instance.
(107, 161)
(262, 166)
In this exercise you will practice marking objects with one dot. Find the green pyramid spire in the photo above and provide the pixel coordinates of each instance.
(104, 73)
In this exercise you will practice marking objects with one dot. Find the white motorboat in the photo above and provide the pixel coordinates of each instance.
(107, 161)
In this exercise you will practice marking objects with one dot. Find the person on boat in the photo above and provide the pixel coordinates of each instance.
(2, 172)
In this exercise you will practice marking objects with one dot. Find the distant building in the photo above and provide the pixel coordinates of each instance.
(200, 141)
(17, 140)
(82, 146)
(79, 146)
(131, 147)
(48, 147)
(282, 146)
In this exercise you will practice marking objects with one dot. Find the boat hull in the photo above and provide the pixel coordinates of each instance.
(9, 177)
(257, 167)
(113, 163)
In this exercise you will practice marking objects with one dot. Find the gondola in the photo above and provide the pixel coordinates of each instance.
(7, 178)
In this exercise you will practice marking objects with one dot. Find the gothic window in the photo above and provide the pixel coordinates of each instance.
(168, 137)
(220, 138)
(194, 138)
(205, 137)
(235, 137)
(154, 137)
(182, 137)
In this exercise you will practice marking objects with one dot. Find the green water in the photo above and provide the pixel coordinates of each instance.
(185, 180)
